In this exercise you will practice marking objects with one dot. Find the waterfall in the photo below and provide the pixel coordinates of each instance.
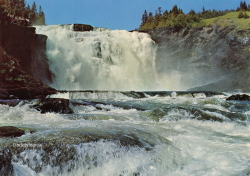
(101, 59)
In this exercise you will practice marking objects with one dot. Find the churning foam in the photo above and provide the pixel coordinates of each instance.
(100, 59)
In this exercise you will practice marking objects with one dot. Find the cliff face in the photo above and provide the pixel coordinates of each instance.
(39, 65)
(18, 41)
(16, 83)
(209, 58)
(29, 48)
(23, 63)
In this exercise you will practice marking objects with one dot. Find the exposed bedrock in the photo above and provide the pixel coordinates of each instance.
(28, 48)
(15, 83)
(23, 64)
(208, 58)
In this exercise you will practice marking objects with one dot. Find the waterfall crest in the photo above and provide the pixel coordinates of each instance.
(101, 59)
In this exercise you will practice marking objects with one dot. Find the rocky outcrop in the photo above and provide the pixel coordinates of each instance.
(240, 97)
(17, 41)
(57, 105)
(9, 131)
(82, 27)
(28, 47)
(208, 58)
(16, 83)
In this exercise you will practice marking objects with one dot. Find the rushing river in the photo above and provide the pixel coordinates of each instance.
(138, 133)
(114, 133)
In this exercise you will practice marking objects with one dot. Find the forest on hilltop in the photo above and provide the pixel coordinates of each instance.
(19, 12)
(177, 18)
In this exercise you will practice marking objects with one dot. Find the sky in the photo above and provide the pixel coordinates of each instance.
(118, 14)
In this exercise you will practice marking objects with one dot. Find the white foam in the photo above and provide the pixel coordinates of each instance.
(101, 59)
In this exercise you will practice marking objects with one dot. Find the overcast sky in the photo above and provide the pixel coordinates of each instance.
(118, 14)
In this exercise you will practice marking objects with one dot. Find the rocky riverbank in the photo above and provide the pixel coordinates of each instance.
(208, 58)
(16, 83)
(18, 78)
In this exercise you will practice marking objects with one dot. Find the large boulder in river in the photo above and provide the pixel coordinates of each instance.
(57, 105)
(10, 131)
(241, 97)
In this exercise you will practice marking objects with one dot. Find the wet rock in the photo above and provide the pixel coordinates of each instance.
(39, 65)
(10, 102)
(134, 94)
(10, 131)
(240, 97)
(87, 103)
(82, 27)
(6, 168)
(57, 105)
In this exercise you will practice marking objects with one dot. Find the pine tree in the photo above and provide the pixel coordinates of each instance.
(144, 17)
(157, 19)
(175, 10)
(243, 6)
(165, 15)
(203, 10)
(43, 18)
(159, 11)
(40, 12)
(150, 20)
(33, 8)
(192, 12)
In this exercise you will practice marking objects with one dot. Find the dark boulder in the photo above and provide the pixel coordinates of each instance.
(9, 131)
(240, 97)
(5, 162)
(82, 27)
(57, 105)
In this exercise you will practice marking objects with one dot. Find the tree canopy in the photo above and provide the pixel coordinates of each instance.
(242, 10)
(19, 12)
(176, 17)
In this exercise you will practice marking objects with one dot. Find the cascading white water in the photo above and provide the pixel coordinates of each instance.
(101, 59)
(173, 135)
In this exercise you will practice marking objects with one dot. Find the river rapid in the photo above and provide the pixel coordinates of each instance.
(137, 133)
(150, 131)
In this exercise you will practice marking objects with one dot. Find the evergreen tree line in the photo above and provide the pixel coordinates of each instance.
(19, 12)
(176, 18)
(242, 10)
(243, 6)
